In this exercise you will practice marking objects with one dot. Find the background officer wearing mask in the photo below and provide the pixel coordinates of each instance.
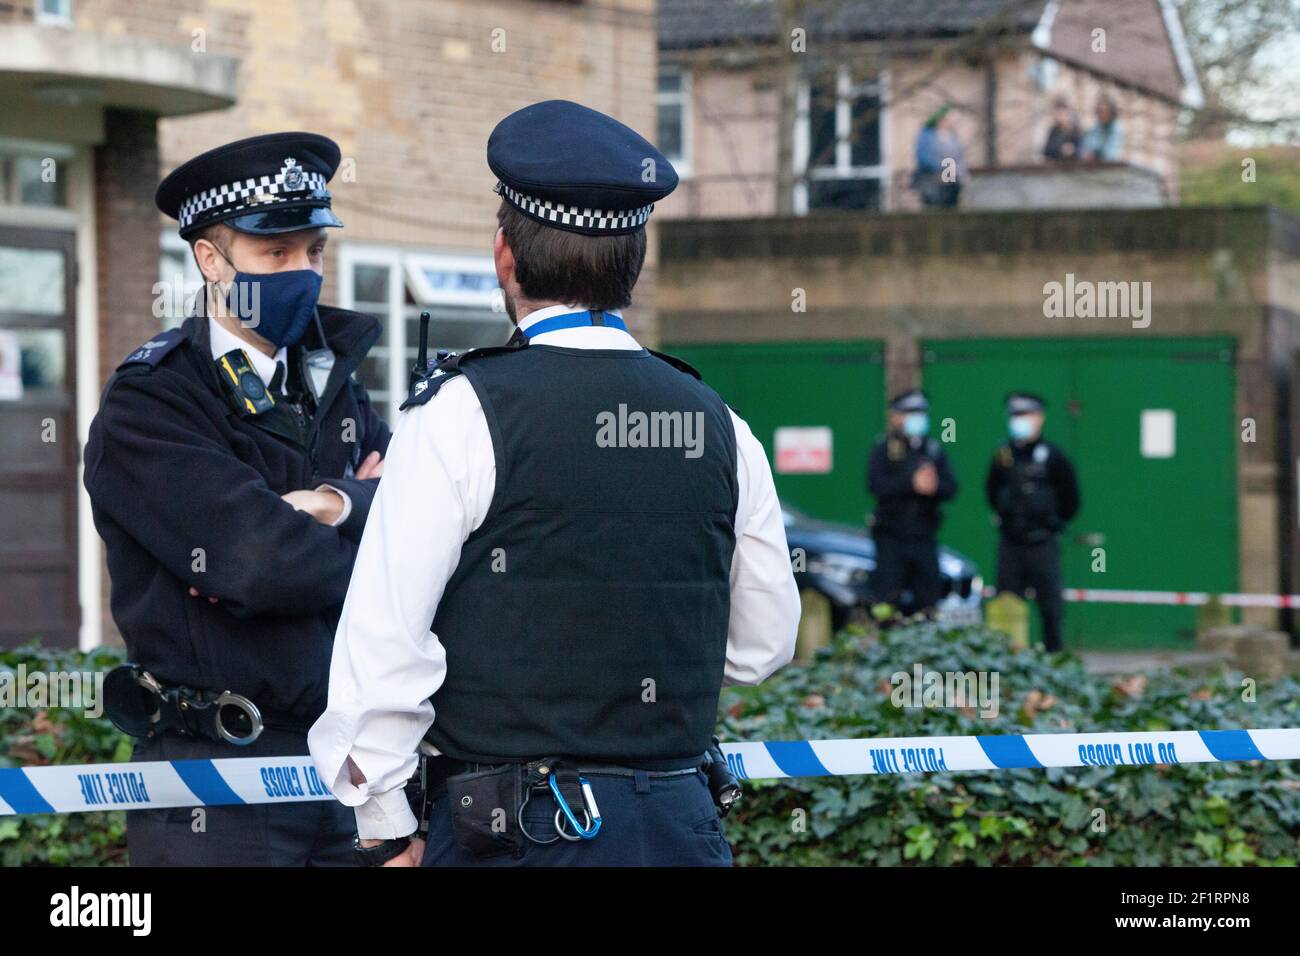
(909, 475)
(231, 468)
(1032, 487)
(593, 572)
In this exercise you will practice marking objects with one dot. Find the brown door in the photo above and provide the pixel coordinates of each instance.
(38, 438)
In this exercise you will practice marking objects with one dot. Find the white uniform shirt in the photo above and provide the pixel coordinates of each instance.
(438, 482)
(222, 340)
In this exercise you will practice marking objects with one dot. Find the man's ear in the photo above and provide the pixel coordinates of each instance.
(504, 259)
(208, 259)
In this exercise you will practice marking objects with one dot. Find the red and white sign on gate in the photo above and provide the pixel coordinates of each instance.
(803, 451)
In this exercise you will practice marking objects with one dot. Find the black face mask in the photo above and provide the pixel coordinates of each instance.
(278, 306)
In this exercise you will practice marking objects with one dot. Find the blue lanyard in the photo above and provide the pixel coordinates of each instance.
(575, 320)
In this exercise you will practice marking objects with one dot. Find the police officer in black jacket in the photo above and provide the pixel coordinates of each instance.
(230, 470)
(1032, 487)
(909, 475)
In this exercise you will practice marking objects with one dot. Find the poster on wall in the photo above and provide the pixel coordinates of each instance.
(11, 367)
(803, 451)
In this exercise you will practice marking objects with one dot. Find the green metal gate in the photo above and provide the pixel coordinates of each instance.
(1151, 428)
(802, 388)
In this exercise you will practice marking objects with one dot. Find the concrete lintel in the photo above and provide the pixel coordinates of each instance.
(62, 65)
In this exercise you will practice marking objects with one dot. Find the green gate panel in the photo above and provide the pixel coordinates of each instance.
(836, 385)
(1165, 518)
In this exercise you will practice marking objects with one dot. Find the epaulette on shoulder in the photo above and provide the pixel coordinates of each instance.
(679, 364)
(427, 385)
(147, 356)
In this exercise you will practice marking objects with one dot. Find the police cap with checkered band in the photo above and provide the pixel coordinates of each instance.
(578, 170)
(262, 185)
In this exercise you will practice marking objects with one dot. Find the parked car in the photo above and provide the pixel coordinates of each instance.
(838, 560)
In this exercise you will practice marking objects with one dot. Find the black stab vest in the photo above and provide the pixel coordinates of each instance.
(588, 614)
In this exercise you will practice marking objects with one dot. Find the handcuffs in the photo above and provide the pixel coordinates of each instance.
(139, 705)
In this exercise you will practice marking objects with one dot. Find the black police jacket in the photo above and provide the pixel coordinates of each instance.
(185, 492)
(1034, 490)
(900, 510)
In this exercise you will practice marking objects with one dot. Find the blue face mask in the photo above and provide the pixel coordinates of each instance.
(1021, 427)
(278, 306)
(916, 425)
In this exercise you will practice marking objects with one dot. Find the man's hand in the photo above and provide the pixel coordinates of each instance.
(411, 856)
(194, 592)
(325, 506)
(925, 480)
(372, 467)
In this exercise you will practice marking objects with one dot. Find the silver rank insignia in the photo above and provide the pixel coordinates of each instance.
(292, 174)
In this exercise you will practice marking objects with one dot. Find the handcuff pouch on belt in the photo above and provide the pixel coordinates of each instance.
(138, 704)
(485, 809)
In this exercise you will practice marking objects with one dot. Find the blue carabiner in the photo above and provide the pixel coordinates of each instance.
(592, 811)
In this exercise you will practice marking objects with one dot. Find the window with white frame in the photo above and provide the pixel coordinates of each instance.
(673, 106)
(34, 174)
(840, 150)
(459, 291)
(58, 12)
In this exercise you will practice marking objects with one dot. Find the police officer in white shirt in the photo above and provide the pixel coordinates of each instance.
(575, 545)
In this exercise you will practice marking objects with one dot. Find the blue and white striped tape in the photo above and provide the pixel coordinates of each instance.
(248, 780)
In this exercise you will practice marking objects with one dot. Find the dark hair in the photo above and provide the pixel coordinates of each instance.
(557, 266)
(218, 230)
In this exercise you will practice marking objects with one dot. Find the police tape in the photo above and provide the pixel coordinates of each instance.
(1179, 598)
(256, 780)
(1170, 598)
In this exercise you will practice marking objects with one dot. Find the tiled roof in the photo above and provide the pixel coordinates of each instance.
(685, 24)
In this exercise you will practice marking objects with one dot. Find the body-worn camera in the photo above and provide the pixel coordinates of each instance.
(244, 387)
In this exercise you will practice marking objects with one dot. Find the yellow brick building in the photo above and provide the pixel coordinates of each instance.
(103, 97)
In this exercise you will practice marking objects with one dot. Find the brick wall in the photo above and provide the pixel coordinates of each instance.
(734, 114)
(126, 233)
(409, 89)
(126, 240)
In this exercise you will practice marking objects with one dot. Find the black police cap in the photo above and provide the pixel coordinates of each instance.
(913, 400)
(1024, 403)
(578, 170)
(262, 185)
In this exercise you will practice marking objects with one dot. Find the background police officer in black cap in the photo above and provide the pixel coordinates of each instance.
(231, 468)
(594, 536)
(1032, 487)
(909, 475)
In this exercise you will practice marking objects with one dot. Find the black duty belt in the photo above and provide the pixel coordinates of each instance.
(437, 769)
(487, 800)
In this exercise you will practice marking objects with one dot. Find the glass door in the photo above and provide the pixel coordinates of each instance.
(38, 439)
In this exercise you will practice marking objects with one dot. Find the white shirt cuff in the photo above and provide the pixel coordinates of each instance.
(385, 816)
(347, 504)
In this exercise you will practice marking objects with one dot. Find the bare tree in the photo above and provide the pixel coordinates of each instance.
(1242, 51)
